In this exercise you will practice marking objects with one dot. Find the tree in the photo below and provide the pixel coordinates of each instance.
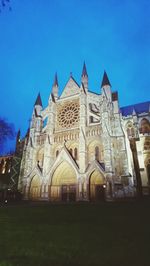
(6, 131)
(5, 4)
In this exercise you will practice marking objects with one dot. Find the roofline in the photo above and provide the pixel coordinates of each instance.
(132, 105)
(94, 92)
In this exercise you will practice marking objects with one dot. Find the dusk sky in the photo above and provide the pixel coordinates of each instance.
(40, 37)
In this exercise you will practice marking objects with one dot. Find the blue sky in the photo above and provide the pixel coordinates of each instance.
(40, 37)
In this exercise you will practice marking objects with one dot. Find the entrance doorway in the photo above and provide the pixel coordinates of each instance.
(97, 187)
(64, 183)
(97, 193)
(68, 193)
(35, 188)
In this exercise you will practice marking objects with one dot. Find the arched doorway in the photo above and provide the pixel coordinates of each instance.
(64, 183)
(96, 186)
(35, 188)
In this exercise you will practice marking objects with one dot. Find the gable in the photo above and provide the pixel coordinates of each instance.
(71, 88)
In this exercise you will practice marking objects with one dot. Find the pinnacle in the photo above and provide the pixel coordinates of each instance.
(105, 80)
(38, 100)
(84, 71)
(19, 132)
(55, 80)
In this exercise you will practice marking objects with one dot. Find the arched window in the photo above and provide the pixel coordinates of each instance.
(57, 152)
(97, 153)
(130, 130)
(76, 154)
(145, 126)
(147, 143)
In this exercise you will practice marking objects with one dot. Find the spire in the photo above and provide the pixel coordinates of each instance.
(84, 71)
(18, 134)
(17, 149)
(133, 112)
(38, 100)
(55, 87)
(105, 80)
(55, 80)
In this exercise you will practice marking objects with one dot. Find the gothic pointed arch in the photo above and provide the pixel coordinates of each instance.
(63, 155)
(35, 188)
(64, 174)
(95, 151)
(63, 183)
(96, 186)
(40, 157)
(96, 179)
(96, 166)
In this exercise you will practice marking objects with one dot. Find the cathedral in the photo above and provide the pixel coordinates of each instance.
(84, 147)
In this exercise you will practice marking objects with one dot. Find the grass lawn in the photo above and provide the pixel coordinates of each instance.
(102, 234)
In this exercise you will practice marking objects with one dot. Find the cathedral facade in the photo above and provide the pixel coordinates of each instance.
(79, 148)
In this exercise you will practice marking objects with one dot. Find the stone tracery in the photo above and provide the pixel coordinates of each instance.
(68, 115)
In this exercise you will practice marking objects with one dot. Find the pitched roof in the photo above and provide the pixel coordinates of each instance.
(71, 88)
(105, 80)
(38, 100)
(139, 108)
(84, 71)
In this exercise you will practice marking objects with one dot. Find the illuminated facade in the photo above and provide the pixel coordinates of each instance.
(78, 147)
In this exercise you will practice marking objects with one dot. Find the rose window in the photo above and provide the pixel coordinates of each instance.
(69, 115)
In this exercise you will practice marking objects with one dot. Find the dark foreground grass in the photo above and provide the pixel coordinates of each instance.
(81, 234)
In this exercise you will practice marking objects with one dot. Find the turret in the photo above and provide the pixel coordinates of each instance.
(18, 142)
(106, 86)
(135, 122)
(18, 136)
(27, 137)
(38, 104)
(134, 115)
(55, 87)
(36, 121)
(48, 151)
(84, 77)
(83, 123)
(115, 102)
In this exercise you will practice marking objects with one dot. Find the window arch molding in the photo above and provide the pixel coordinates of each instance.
(145, 126)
